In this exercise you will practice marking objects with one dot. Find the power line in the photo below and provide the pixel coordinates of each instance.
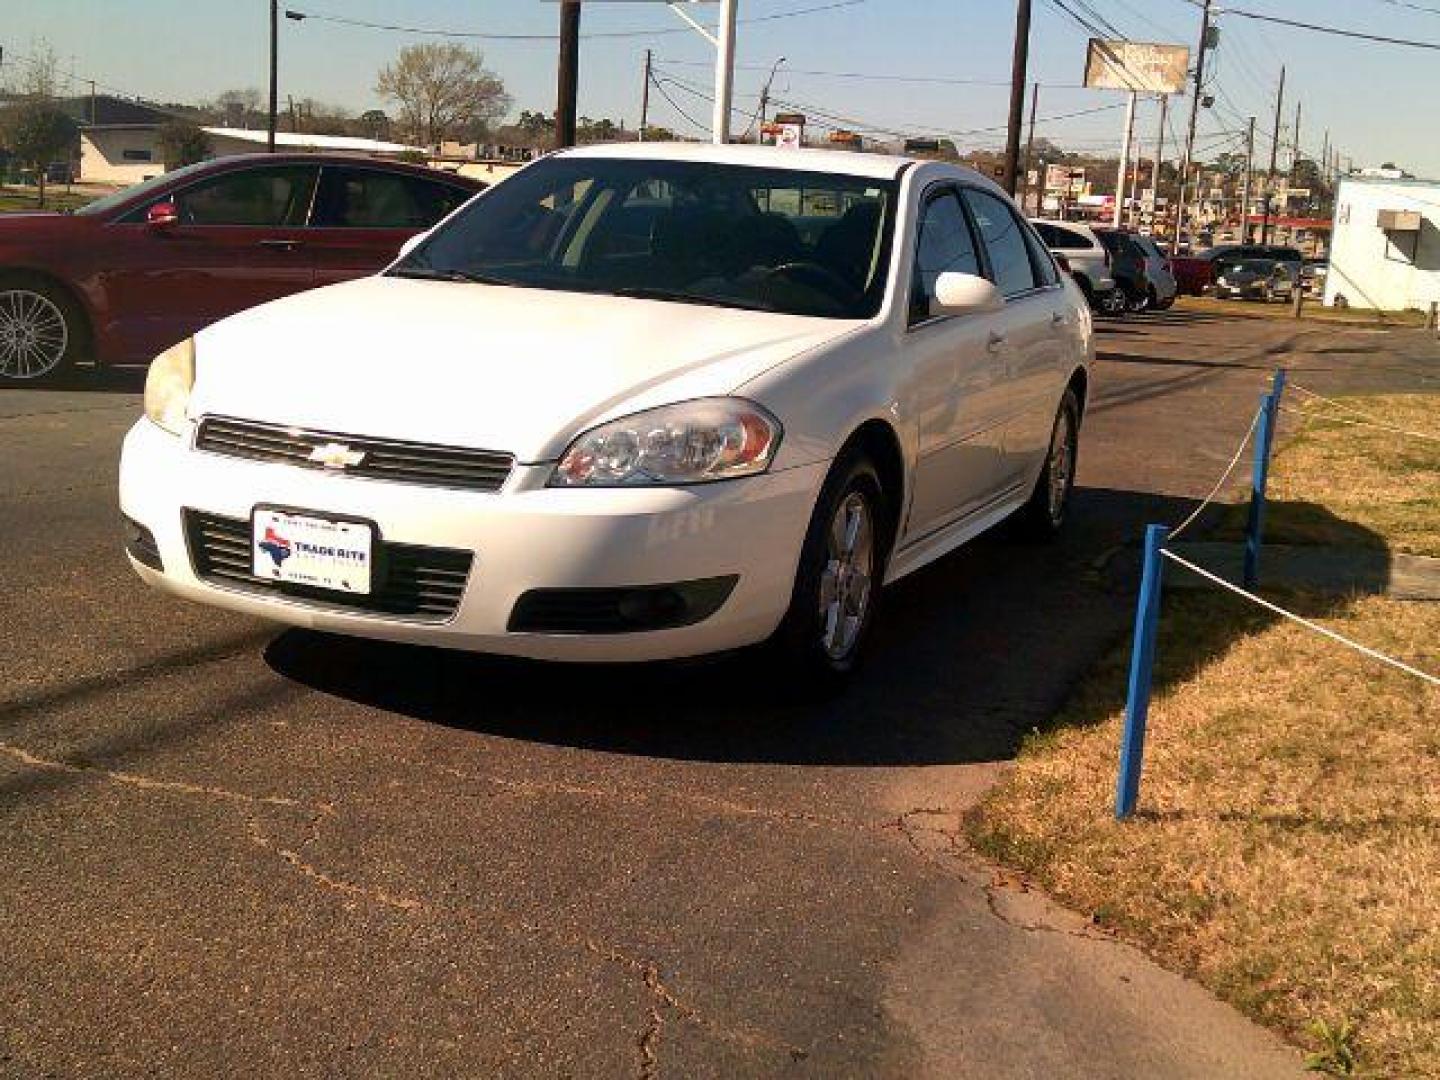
(344, 20)
(1333, 30)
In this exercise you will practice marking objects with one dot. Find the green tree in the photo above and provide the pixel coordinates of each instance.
(183, 143)
(441, 89)
(37, 133)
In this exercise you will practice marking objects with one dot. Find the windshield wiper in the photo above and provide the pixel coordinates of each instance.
(678, 296)
(426, 273)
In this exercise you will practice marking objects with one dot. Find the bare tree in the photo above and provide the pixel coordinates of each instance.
(38, 74)
(440, 89)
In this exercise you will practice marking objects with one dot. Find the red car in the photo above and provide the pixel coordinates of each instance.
(128, 276)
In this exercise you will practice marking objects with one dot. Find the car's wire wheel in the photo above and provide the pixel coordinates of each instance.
(1060, 467)
(34, 334)
(848, 579)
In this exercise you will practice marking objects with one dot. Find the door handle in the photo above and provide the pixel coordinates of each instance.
(1057, 318)
(280, 245)
(997, 340)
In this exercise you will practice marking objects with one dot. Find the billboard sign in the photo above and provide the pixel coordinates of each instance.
(1135, 65)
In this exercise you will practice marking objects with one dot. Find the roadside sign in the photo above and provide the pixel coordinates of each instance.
(1137, 66)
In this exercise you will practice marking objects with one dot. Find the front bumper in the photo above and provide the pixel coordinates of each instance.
(525, 537)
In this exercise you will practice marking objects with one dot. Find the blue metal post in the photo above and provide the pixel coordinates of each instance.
(1142, 665)
(1260, 478)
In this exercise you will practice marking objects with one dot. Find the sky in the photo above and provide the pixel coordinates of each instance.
(1364, 94)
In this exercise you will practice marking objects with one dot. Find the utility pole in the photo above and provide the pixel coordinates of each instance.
(1194, 118)
(765, 101)
(1295, 143)
(568, 74)
(1159, 157)
(1249, 180)
(1124, 176)
(645, 96)
(1017, 94)
(1274, 159)
(92, 101)
(724, 73)
(1030, 150)
(274, 72)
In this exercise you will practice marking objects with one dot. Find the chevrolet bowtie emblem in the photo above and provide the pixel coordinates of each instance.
(336, 456)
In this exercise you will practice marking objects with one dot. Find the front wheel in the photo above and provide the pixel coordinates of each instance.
(1043, 516)
(40, 331)
(842, 568)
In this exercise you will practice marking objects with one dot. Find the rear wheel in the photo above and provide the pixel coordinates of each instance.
(1137, 303)
(1044, 515)
(842, 568)
(40, 330)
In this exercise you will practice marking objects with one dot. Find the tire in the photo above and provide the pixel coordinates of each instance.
(42, 331)
(822, 638)
(1043, 516)
(1137, 303)
(1165, 305)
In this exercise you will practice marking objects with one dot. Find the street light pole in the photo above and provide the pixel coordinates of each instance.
(1249, 181)
(645, 96)
(1018, 68)
(765, 100)
(724, 73)
(274, 73)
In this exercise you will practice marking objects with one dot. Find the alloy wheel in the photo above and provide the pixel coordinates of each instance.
(847, 582)
(1060, 471)
(33, 334)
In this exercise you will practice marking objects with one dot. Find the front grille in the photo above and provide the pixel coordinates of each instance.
(384, 459)
(419, 583)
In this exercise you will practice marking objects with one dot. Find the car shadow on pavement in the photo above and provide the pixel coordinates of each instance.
(971, 654)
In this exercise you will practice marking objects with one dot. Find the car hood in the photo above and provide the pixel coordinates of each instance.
(515, 370)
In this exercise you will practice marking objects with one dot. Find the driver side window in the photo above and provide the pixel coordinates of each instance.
(943, 243)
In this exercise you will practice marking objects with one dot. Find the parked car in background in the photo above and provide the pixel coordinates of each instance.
(1141, 270)
(1256, 279)
(1276, 252)
(1194, 274)
(1088, 259)
(124, 277)
(640, 401)
(1313, 275)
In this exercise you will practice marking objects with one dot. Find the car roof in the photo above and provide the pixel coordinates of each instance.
(338, 157)
(840, 162)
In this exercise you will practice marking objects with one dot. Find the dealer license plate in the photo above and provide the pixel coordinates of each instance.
(305, 550)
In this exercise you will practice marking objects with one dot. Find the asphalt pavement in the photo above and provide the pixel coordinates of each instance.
(234, 849)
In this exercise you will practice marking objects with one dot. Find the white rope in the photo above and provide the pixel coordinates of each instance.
(1362, 421)
(1239, 452)
(1331, 634)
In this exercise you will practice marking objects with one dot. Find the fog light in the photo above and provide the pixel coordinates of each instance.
(140, 543)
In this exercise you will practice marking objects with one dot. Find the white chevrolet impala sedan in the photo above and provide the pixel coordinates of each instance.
(637, 402)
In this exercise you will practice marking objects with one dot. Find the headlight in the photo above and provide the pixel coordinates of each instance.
(167, 386)
(690, 443)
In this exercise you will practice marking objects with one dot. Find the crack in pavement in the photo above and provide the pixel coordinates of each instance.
(148, 783)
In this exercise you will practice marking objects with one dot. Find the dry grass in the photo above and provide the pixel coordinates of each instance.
(1287, 853)
(13, 200)
(1381, 482)
(1314, 311)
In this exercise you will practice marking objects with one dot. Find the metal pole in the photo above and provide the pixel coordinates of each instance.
(569, 73)
(1159, 158)
(724, 73)
(1194, 119)
(1123, 178)
(1260, 478)
(274, 73)
(1142, 669)
(1274, 158)
(1030, 150)
(1249, 180)
(765, 101)
(1018, 68)
(645, 96)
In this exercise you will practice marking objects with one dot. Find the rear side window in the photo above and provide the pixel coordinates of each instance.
(378, 199)
(1004, 240)
(277, 197)
(1061, 238)
(944, 243)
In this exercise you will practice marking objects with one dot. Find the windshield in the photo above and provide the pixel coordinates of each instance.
(145, 187)
(802, 243)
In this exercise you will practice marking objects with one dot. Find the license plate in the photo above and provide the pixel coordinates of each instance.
(302, 549)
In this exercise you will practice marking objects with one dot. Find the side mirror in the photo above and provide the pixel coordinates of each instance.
(964, 294)
(162, 215)
(415, 241)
